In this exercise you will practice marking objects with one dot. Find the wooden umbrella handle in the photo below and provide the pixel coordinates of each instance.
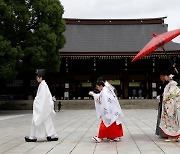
(170, 61)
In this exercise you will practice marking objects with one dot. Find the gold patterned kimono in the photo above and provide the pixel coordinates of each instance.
(170, 118)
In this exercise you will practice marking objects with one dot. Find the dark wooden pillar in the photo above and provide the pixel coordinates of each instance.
(125, 83)
(94, 73)
(67, 82)
(154, 82)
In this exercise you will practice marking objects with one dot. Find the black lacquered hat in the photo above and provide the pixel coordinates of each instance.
(40, 72)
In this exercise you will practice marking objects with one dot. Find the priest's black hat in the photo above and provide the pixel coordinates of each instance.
(40, 72)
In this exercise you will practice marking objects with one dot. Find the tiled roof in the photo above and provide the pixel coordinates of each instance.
(102, 38)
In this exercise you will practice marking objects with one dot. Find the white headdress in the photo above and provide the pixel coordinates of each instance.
(171, 76)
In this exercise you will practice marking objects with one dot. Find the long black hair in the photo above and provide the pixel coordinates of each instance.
(100, 81)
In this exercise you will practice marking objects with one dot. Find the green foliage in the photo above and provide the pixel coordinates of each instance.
(8, 57)
(30, 33)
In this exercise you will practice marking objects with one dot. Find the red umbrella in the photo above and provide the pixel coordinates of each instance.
(157, 41)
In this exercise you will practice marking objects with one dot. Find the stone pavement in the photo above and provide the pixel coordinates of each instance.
(75, 129)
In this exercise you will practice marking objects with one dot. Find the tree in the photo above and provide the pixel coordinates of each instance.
(31, 33)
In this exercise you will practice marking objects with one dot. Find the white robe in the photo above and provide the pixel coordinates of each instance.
(107, 106)
(43, 110)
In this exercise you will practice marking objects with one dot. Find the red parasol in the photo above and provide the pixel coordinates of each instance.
(157, 41)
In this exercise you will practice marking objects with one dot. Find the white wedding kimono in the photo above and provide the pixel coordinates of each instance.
(170, 119)
(43, 110)
(107, 106)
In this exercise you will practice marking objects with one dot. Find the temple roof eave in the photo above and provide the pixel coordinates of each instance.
(76, 21)
(121, 54)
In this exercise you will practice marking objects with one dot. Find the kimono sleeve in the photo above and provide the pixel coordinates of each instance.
(39, 99)
(97, 104)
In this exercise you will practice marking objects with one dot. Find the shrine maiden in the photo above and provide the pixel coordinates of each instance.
(108, 111)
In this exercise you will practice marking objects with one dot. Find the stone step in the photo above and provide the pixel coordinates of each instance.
(80, 104)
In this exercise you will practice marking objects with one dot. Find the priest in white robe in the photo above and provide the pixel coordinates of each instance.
(108, 111)
(43, 111)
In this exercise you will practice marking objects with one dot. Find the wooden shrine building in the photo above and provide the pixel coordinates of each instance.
(105, 47)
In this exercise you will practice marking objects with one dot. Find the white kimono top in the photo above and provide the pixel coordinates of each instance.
(172, 94)
(170, 118)
(43, 104)
(107, 106)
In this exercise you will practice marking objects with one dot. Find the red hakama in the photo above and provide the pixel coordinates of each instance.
(110, 132)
